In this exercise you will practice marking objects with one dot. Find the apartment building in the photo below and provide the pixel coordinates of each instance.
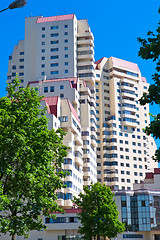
(57, 58)
(95, 103)
(124, 151)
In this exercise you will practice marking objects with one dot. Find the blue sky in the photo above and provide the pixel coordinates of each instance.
(115, 25)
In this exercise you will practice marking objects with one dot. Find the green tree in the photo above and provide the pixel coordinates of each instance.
(150, 49)
(29, 157)
(99, 214)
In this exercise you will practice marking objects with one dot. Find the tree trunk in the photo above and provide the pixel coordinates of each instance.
(13, 237)
(98, 237)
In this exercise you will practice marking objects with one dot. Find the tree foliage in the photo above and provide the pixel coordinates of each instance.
(29, 156)
(99, 214)
(150, 49)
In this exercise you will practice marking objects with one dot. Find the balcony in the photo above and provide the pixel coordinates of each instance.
(78, 140)
(86, 41)
(128, 94)
(78, 158)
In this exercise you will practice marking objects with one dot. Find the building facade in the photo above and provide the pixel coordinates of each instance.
(95, 103)
(140, 209)
(124, 151)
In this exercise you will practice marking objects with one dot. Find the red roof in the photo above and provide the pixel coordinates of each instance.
(73, 110)
(156, 170)
(150, 175)
(144, 79)
(55, 18)
(99, 61)
(72, 210)
(125, 64)
(51, 103)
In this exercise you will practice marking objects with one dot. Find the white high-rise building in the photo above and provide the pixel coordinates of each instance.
(96, 103)
(124, 151)
(57, 57)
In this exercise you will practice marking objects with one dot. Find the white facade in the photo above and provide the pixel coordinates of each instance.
(96, 104)
(124, 152)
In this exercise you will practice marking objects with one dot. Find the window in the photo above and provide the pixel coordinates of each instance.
(66, 40)
(53, 72)
(43, 66)
(54, 57)
(66, 48)
(126, 142)
(61, 86)
(54, 34)
(14, 67)
(66, 71)
(54, 64)
(66, 33)
(127, 165)
(126, 134)
(65, 26)
(54, 42)
(54, 49)
(43, 28)
(61, 95)
(43, 58)
(43, 43)
(128, 180)
(21, 59)
(122, 164)
(122, 172)
(42, 73)
(51, 88)
(121, 141)
(135, 166)
(43, 36)
(66, 63)
(54, 27)
(21, 67)
(45, 89)
(135, 174)
(66, 55)
(128, 172)
(21, 53)
(43, 50)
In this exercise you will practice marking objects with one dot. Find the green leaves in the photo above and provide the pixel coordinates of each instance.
(99, 214)
(29, 156)
(150, 49)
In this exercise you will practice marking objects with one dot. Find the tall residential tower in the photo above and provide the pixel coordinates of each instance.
(96, 103)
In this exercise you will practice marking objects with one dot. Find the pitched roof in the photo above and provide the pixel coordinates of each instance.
(125, 64)
(143, 79)
(73, 110)
(51, 103)
(55, 18)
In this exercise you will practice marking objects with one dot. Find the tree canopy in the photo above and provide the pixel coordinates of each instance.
(29, 156)
(99, 214)
(150, 49)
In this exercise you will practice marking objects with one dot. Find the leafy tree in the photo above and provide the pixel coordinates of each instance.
(99, 214)
(29, 156)
(150, 49)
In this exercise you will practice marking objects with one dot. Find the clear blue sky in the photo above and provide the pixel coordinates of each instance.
(115, 25)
